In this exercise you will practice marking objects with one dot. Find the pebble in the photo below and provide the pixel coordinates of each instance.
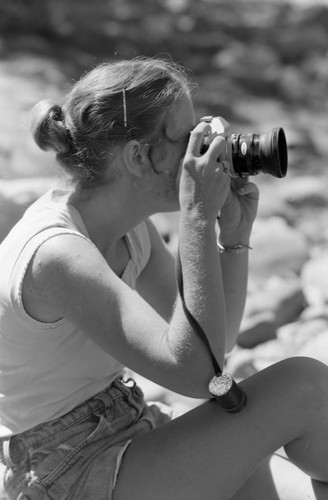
(278, 249)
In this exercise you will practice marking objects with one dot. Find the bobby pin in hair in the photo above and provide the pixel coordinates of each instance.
(124, 109)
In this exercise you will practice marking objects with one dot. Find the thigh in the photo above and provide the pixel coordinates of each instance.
(209, 454)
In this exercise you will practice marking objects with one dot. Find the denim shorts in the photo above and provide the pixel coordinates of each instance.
(78, 455)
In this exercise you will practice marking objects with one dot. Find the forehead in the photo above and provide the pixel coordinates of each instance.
(181, 118)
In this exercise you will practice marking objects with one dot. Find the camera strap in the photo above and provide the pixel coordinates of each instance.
(192, 321)
(223, 387)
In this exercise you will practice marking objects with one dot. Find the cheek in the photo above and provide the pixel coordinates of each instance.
(160, 153)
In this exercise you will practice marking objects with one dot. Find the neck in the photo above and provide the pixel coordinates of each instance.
(109, 213)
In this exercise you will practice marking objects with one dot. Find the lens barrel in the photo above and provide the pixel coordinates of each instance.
(254, 153)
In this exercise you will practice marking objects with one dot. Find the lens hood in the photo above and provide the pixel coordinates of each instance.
(273, 152)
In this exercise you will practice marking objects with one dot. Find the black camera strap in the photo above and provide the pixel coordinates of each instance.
(192, 321)
(226, 391)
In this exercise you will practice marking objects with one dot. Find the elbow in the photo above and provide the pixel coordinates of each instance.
(190, 366)
(195, 388)
(193, 376)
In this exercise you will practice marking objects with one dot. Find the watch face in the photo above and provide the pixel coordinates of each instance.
(220, 385)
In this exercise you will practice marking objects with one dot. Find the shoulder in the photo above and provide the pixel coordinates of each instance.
(66, 252)
(60, 266)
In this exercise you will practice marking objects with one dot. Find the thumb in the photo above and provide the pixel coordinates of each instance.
(249, 189)
(229, 199)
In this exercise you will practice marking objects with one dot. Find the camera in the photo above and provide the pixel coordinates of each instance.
(250, 154)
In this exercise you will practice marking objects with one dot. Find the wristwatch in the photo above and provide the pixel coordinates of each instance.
(227, 392)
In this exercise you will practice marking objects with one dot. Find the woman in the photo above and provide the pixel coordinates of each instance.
(88, 288)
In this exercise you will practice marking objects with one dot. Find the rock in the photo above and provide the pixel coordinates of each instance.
(298, 334)
(314, 277)
(25, 80)
(278, 249)
(16, 196)
(316, 233)
(277, 302)
(287, 299)
(305, 190)
(314, 311)
(270, 352)
(271, 204)
(299, 338)
(290, 483)
(283, 297)
(257, 329)
(240, 363)
(317, 347)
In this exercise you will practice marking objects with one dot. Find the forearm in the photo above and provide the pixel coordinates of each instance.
(235, 229)
(203, 294)
(204, 187)
(234, 275)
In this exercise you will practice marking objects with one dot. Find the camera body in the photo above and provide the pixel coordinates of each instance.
(250, 154)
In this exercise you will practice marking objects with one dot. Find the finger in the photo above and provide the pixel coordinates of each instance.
(197, 138)
(218, 148)
(225, 166)
(249, 189)
(220, 166)
(239, 181)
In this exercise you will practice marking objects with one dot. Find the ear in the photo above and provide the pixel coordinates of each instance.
(135, 156)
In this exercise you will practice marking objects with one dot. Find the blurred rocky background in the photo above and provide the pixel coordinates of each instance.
(260, 64)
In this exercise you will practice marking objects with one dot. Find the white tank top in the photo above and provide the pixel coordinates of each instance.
(46, 369)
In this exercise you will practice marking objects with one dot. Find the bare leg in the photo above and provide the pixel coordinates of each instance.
(260, 486)
(320, 490)
(279, 479)
(208, 454)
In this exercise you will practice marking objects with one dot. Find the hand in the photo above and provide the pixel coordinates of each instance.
(204, 184)
(238, 212)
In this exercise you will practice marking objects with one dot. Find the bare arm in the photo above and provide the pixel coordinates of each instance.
(157, 282)
(237, 216)
(74, 281)
(72, 278)
(234, 276)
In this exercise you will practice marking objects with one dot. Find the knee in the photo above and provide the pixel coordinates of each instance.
(305, 364)
(308, 377)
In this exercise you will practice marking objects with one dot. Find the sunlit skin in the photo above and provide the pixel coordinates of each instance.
(166, 157)
(206, 453)
(135, 195)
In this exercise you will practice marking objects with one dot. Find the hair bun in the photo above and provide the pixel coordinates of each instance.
(48, 128)
(56, 113)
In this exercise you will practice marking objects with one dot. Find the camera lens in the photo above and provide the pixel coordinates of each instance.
(254, 153)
